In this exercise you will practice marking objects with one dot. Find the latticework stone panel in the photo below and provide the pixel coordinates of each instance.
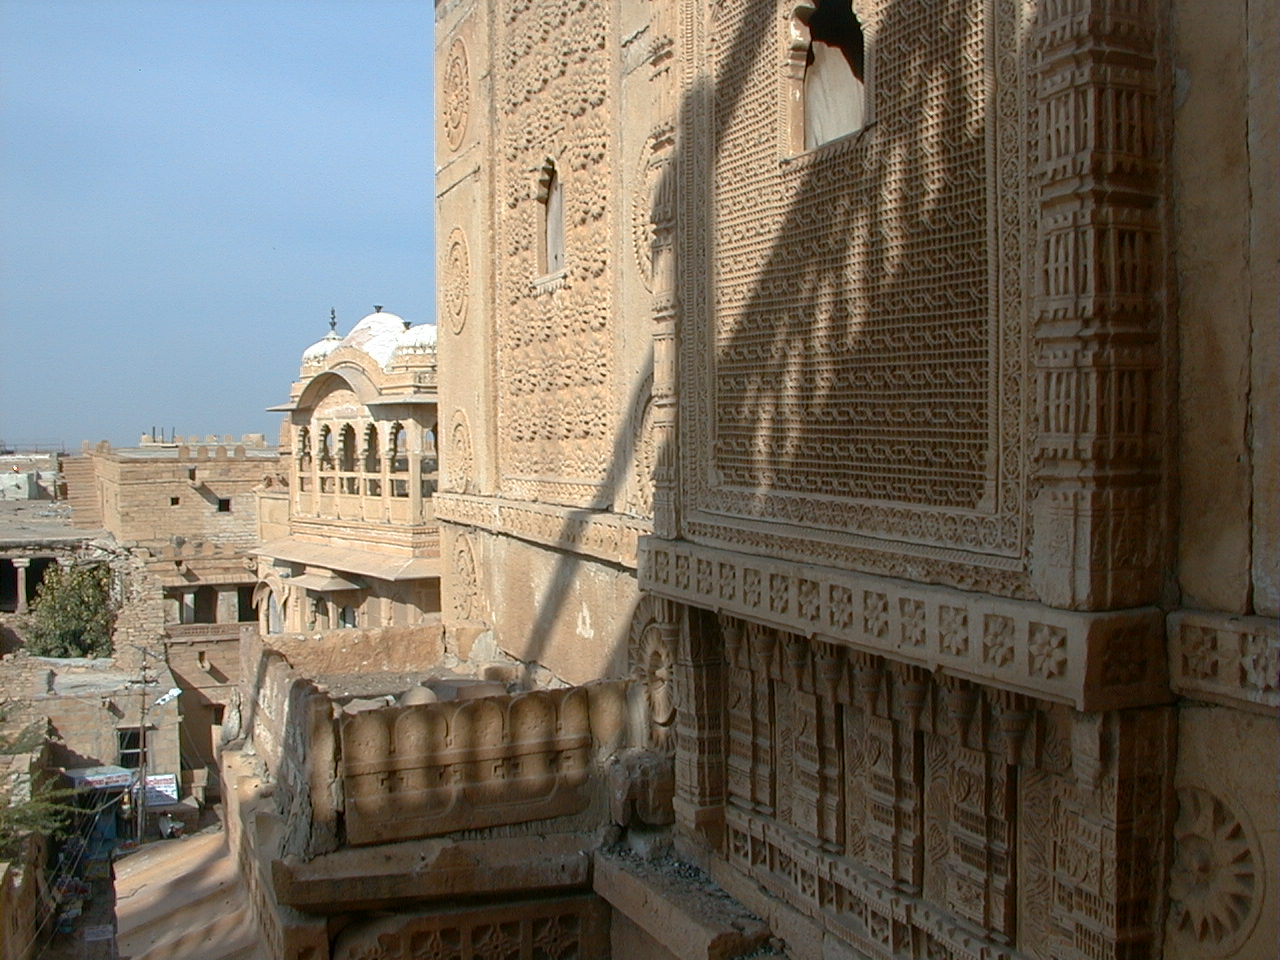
(571, 928)
(864, 338)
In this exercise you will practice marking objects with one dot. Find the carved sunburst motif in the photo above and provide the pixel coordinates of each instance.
(1216, 882)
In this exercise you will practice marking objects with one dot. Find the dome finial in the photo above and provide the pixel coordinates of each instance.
(333, 320)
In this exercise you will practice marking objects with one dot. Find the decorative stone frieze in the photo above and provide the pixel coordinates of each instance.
(1092, 661)
(920, 815)
(561, 928)
(1226, 659)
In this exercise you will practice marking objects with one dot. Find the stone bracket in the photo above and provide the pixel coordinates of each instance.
(683, 915)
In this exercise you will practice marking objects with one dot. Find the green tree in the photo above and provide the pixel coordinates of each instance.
(30, 803)
(72, 613)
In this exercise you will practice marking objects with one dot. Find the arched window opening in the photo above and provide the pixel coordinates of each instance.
(430, 462)
(325, 453)
(399, 454)
(551, 234)
(275, 615)
(372, 462)
(834, 72)
(304, 459)
(347, 459)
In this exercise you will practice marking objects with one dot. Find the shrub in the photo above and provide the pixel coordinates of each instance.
(72, 613)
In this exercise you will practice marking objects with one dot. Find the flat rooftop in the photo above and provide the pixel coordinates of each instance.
(168, 452)
(40, 521)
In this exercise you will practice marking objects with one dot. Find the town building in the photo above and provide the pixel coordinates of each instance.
(185, 511)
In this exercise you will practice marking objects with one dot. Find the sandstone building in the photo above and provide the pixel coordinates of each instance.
(351, 540)
(857, 466)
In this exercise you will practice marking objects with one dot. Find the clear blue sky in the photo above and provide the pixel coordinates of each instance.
(187, 187)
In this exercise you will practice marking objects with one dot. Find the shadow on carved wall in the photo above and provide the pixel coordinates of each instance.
(850, 339)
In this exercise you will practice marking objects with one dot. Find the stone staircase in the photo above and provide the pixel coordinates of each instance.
(82, 492)
(184, 900)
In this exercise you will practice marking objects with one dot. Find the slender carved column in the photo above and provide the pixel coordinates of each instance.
(1097, 346)
(1109, 845)
(665, 306)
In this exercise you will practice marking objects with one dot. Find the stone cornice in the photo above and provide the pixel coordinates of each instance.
(1092, 661)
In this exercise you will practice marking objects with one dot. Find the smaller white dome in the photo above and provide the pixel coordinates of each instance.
(418, 338)
(321, 348)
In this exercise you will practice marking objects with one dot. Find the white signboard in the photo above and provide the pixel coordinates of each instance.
(162, 789)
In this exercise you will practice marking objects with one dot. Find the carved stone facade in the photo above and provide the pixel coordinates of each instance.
(867, 463)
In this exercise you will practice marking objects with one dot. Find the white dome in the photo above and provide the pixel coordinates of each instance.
(418, 339)
(321, 348)
(376, 324)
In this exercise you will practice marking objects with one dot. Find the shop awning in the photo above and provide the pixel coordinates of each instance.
(101, 777)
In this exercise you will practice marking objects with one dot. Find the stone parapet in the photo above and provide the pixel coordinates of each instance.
(1093, 661)
(435, 768)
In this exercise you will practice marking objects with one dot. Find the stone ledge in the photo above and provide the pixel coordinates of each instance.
(606, 536)
(692, 918)
(1092, 661)
(1226, 659)
(371, 878)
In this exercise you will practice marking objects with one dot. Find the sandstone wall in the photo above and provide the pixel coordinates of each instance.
(564, 611)
(1224, 162)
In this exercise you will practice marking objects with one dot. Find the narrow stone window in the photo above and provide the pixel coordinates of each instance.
(174, 501)
(224, 505)
(129, 752)
(551, 234)
(828, 65)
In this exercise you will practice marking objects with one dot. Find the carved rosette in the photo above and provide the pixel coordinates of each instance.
(1216, 885)
(652, 654)
(455, 104)
(466, 582)
(457, 280)
(461, 464)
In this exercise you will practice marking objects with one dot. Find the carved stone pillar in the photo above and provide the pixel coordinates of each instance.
(20, 566)
(1099, 530)
(1097, 849)
(700, 763)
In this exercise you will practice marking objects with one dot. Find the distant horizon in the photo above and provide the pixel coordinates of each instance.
(188, 191)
